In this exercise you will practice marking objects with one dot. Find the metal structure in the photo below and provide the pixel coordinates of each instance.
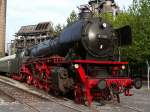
(2, 26)
(82, 61)
(101, 7)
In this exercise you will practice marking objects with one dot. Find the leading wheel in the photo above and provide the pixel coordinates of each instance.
(78, 94)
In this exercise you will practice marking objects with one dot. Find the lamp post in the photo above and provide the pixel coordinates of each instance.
(148, 71)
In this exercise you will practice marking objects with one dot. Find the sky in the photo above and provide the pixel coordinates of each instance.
(30, 12)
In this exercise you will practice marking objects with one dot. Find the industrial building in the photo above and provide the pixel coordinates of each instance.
(2, 26)
(30, 35)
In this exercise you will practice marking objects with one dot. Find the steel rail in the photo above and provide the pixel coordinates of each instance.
(48, 98)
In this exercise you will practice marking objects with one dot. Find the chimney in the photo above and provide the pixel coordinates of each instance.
(2, 26)
(85, 12)
(94, 5)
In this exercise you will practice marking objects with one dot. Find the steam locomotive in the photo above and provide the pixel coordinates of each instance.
(83, 61)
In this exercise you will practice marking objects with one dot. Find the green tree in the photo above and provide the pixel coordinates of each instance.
(72, 18)
(58, 29)
(140, 22)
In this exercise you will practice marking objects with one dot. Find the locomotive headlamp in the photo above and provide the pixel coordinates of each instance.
(101, 46)
(104, 25)
(123, 67)
(102, 84)
(76, 66)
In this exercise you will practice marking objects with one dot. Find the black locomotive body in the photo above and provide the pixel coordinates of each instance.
(87, 36)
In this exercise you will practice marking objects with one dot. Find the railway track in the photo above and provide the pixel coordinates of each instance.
(25, 97)
(20, 96)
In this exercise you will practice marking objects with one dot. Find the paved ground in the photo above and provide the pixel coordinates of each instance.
(139, 102)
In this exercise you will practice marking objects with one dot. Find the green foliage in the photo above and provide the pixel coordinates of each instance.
(140, 22)
(106, 16)
(72, 18)
(58, 29)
